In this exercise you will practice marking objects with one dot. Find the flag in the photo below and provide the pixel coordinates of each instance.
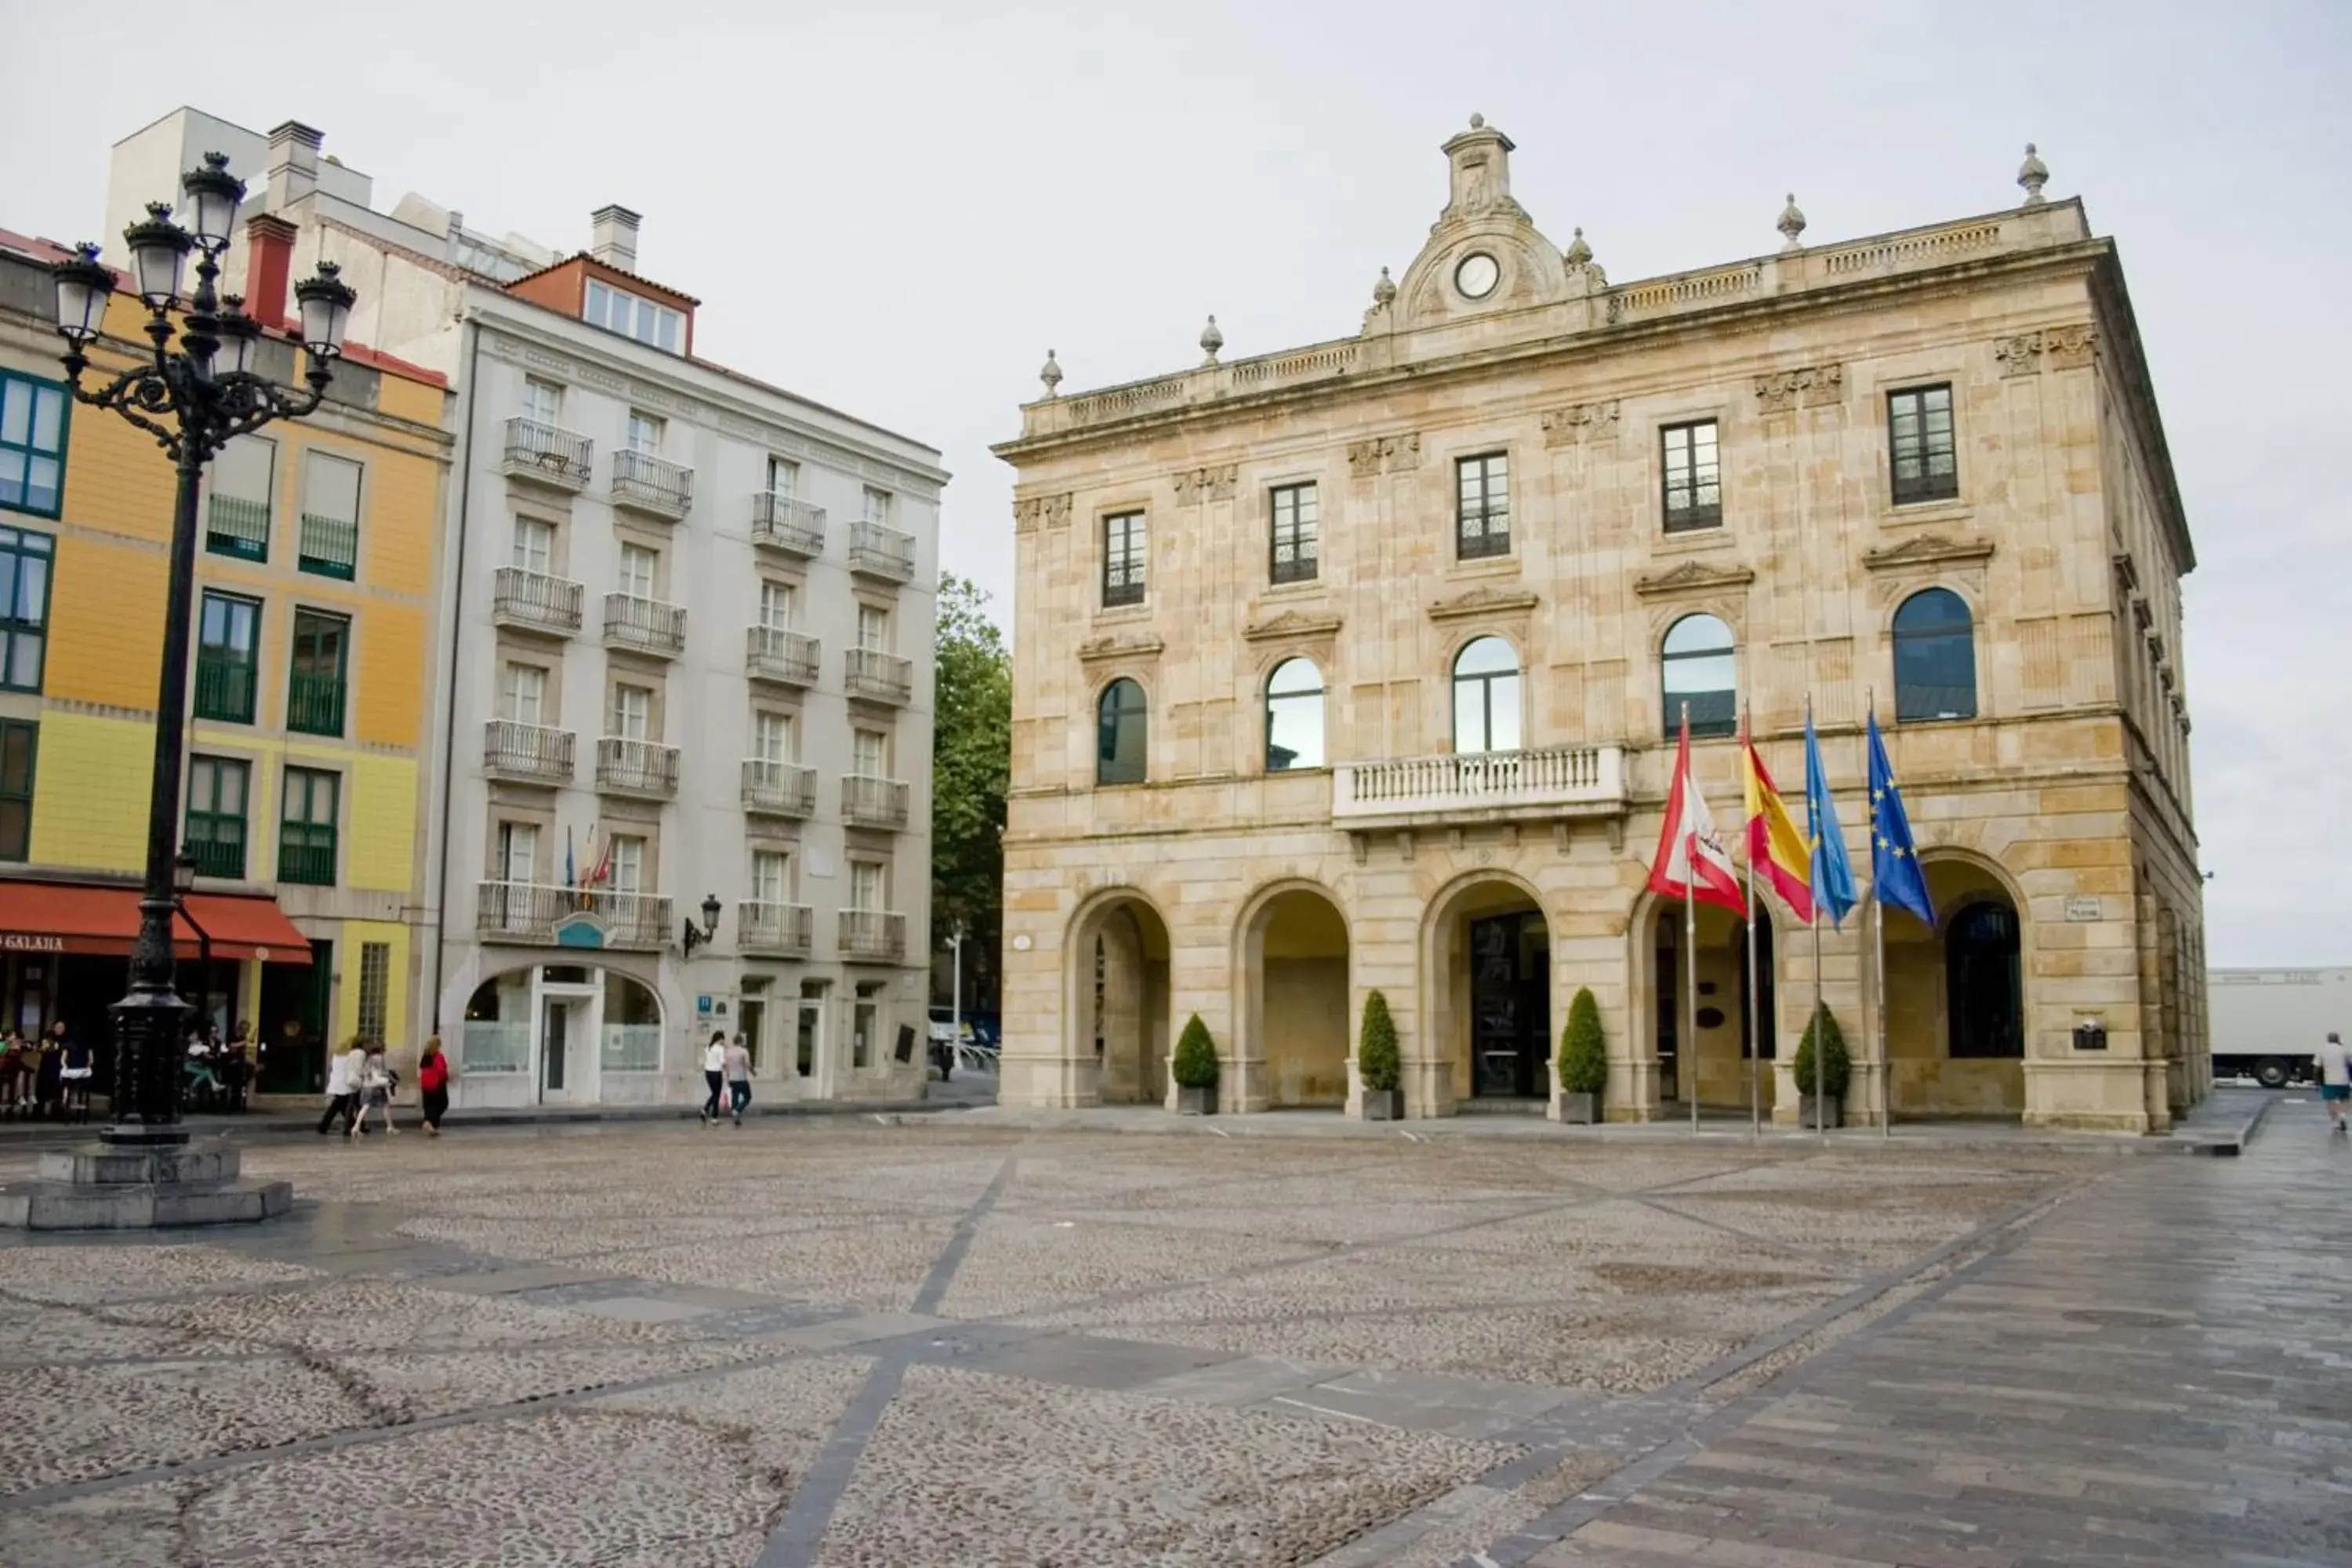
(1895, 874)
(1778, 851)
(1691, 861)
(569, 876)
(604, 866)
(1833, 871)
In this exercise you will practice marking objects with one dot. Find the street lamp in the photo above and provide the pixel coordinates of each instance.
(194, 396)
(710, 929)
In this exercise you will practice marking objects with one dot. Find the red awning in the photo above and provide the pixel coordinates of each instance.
(69, 917)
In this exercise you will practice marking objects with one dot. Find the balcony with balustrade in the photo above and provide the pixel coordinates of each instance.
(643, 768)
(780, 658)
(783, 930)
(789, 527)
(547, 455)
(878, 677)
(883, 553)
(874, 936)
(527, 754)
(535, 914)
(633, 624)
(534, 601)
(652, 486)
(868, 802)
(777, 789)
(1547, 783)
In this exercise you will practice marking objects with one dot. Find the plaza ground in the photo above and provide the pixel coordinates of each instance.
(953, 1340)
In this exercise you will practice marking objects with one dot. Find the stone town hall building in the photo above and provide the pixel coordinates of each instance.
(1356, 666)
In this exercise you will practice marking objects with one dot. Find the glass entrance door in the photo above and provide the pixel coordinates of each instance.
(1509, 1006)
(552, 1016)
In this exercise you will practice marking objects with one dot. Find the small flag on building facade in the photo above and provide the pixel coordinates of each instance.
(1833, 871)
(1895, 875)
(1691, 862)
(1776, 848)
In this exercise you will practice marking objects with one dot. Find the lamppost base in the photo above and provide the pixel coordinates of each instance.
(112, 1188)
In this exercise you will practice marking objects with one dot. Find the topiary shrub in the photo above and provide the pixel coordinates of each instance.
(1583, 1056)
(1195, 1063)
(1837, 1067)
(1376, 1049)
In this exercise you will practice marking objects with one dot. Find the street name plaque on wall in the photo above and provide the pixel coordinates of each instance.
(2084, 908)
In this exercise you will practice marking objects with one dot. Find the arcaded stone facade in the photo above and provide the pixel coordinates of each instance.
(1348, 668)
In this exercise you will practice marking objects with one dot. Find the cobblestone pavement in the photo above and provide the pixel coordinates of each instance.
(848, 1344)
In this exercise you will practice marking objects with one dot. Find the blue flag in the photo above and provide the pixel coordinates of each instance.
(1895, 874)
(1833, 873)
(567, 856)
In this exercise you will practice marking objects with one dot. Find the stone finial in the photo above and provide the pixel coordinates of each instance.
(1212, 341)
(1792, 223)
(1384, 291)
(1050, 373)
(2034, 173)
(1577, 253)
(1477, 122)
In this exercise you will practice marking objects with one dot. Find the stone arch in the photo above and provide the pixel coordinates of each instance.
(1486, 944)
(1293, 956)
(1657, 957)
(1116, 1001)
(1930, 1073)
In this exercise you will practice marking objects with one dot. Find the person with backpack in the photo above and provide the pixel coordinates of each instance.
(376, 1085)
(738, 1078)
(433, 1085)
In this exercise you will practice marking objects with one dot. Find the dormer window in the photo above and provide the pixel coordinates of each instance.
(633, 317)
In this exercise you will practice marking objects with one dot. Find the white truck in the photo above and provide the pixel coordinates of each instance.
(2266, 1023)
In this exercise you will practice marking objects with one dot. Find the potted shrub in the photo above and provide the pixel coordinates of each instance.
(1836, 1068)
(1194, 1068)
(1583, 1061)
(1378, 1063)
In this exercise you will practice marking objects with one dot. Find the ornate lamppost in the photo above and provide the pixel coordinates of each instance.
(192, 396)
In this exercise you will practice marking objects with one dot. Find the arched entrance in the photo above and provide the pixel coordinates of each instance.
(1726, 1041)
(1956, 996)
(561, 1034)
(1118, 1008)
(1294, 974)
(1488, 984)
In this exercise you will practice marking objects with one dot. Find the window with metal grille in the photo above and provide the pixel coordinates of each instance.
(32, 444)
(19, 741)
(1481, 513)
(24, 559)
(228, 631)
(236, 512)
(1920, 443)
(306, 828)
(1123, 556)
(331, 517)
(375, 990)
(1298, 534)
(314, 679)
(1692, 476)
(215, 833)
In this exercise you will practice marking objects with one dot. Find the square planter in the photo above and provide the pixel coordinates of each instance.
(1581, 1109)
(1832, 1110)
(1384, 1105)
(1196, 1101)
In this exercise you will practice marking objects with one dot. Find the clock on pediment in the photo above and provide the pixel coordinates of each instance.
(1477, 274)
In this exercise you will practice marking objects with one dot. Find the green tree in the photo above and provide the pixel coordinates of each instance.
(1837, 1067)
(1376, 1057)
(1194, 1066)
(1583, 1056)
(971, 767)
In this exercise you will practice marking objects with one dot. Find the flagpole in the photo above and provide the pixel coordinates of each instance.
(1821, 1124)
(1688, 1065)
(1754, 1024)
(1878, 957)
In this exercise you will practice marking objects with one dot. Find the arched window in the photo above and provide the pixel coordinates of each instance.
(1122, 731)
(1487, 697)
(1698, 669)
(1294, 716)
(1984, 992)
(1934, 657)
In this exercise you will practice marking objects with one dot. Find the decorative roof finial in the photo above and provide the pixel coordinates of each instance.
(1477, 122)
(1577, 253)
(1384, 290)
(1792, 223)
(1212, 341)
(2034, 173)
(1050, 373)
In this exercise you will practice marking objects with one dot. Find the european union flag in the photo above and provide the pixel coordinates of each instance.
(1833, 873)
(1895, 874)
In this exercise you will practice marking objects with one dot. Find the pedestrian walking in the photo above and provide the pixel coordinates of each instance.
(433, 1084)
(2335, 1076)
(738, 1078)
(377, 1084)
(49, 1075)
(714, 1073)
(342, 1086)
(16, 1063)
(77, 1064)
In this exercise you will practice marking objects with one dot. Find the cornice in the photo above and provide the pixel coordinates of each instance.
(1693, 577)
(1291, 623)
(1481, 602)
(1928, 549)
(1094, 650)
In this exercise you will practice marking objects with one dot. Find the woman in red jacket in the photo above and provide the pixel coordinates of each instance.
(432, 1082)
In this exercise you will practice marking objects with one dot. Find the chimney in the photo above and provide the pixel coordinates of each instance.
(293, 164)
(612, 237)
(269, 263)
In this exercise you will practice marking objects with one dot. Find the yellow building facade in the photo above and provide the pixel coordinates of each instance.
(302, 787)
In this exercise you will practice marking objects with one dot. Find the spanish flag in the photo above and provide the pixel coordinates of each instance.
(1777, 849)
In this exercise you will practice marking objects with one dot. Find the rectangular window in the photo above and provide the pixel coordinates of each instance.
(24, 558)
(783, 476)
(771, 737)
(215, 827)
(631, 317)
(866, 885)
(1692, 478)
(869, 754)
(534, 545)
(638, 565)
(1482, 509)
(375, 990)
(808, 1027)
(32, 445)
(873, 629)
(306, 829)
(331, 516)
(314, 680)
(1297, 537)
(1919, 438)
(237, 513)
(770, 876)
(523, 698)
(228, 630)
(776, 606)
(865, 1023)
(19, 742)
(645, 434)
(1123, 553)
(519, 852)
(629, 863)
(542, 402)
(632, 712)
(877, 506)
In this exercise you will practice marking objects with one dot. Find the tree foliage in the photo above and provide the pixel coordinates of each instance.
(1376, 1051)
(971, 766)
(1194, 1064)
(1837, 1067)
(1583, 1056)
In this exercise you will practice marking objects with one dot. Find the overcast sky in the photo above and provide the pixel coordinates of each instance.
(898, 208)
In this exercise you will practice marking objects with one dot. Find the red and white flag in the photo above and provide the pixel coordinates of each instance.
(1692, 862)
